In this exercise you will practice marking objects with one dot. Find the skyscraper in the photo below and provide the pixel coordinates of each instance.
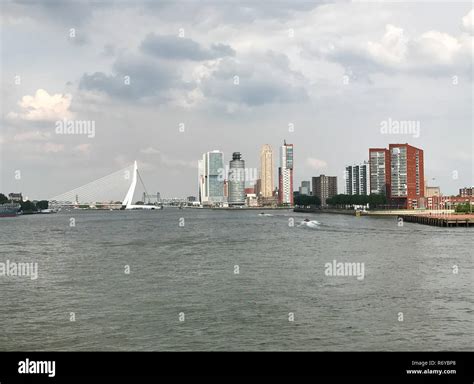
(285, 175)
(358, 179)
(236, 180)
(379, 164)
(211, 178)
(324, 187)
(266, 171)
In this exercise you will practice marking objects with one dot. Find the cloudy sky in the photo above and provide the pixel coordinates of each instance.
(234, 76)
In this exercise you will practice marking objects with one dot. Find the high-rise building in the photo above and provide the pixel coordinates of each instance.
(407, 179)
(466, 191)
(398, 172)
(211, 178)
(324, 187)
(305, 188)
(285, 175)
(379, 164)
(266, 171)
(358, 179)
(236, 180)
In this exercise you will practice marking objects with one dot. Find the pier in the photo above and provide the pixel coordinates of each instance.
(448, 220)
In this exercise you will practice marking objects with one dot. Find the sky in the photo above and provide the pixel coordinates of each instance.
(164, 82)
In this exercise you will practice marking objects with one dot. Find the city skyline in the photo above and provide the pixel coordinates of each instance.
(326, 81)
(366, 180)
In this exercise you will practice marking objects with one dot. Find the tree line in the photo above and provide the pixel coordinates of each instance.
(26, 206)
(306, 200)
(342, 201)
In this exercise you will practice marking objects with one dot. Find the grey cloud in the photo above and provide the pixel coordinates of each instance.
(255, 92)
(79, 40)
(263, 80)
(181, 48)
(59, 11)
(147, 79)
(361, 65)
(222, 50)
(418, 57)
(109, 50)
(231, 12)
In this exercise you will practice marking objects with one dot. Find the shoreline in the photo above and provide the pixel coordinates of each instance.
(351, 212)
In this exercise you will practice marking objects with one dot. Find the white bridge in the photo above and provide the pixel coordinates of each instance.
(95, 194)
(127, 202)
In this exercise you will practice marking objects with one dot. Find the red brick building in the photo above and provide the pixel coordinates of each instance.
(407, 180)
(398, 172)
(447, 202)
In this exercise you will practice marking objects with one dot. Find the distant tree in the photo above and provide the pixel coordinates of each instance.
(376, 199)
(342, 200)
(339, 200)
(43, 204)
(306, 200)
(28, 206)
(315, 200)
(3, 199)
(462, 208)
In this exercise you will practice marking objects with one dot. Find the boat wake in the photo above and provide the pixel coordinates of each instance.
(265, 214)
(310, 224)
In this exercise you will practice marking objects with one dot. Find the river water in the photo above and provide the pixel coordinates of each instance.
(233, 280)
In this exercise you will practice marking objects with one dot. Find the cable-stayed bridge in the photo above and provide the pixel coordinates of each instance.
(97, 193)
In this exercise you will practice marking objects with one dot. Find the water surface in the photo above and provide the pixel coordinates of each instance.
(190, 270)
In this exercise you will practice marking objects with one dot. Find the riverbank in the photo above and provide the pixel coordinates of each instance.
(248, 208)
(350, 212)
(398, 212)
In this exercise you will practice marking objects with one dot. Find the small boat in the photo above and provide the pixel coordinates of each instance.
(46, 211)
(9, 210)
